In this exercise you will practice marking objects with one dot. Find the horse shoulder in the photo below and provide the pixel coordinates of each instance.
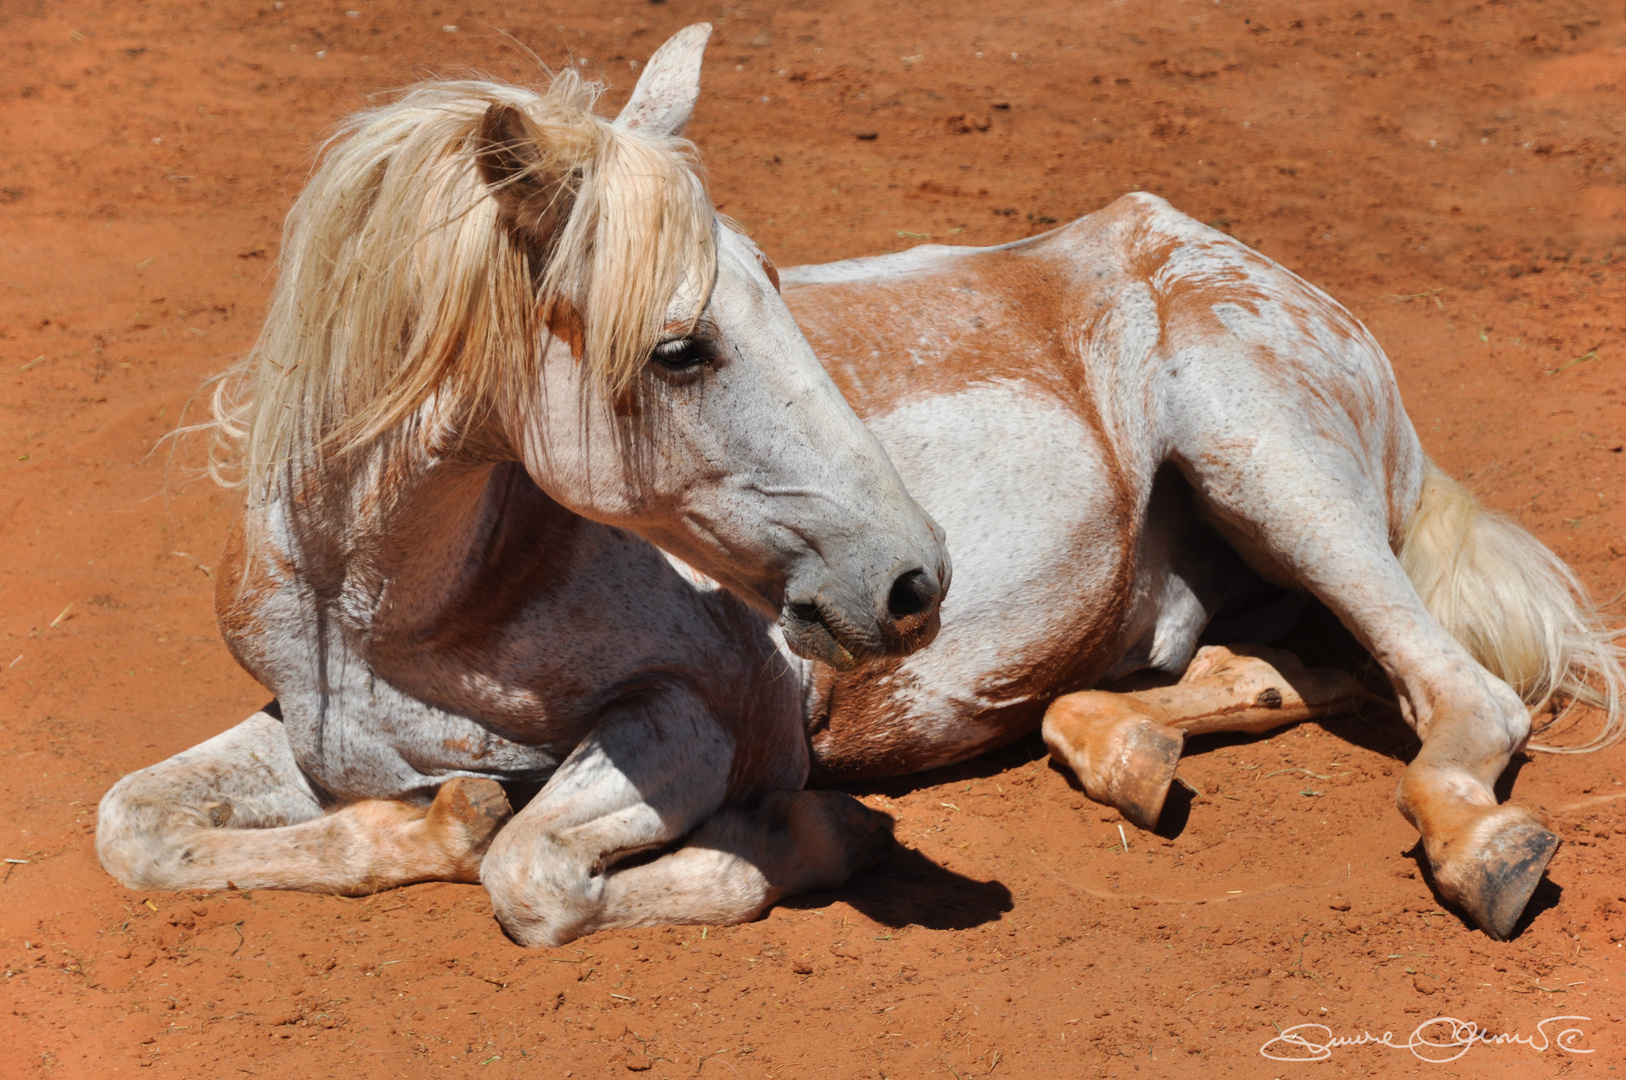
(253, 595)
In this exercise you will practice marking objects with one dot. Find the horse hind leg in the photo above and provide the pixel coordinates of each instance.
(1319, 511)
(1124, 747)
(237, 812)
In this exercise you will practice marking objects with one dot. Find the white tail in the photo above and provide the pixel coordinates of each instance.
(1513, 604)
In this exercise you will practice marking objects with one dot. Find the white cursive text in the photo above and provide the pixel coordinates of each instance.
(1444, 1038)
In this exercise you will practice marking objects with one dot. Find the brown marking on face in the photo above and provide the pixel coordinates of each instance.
(769, 269)
(565, 322)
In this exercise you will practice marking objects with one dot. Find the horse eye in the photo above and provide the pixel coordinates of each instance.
(679, 354)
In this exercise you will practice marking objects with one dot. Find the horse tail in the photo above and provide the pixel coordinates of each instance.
(1514, 606)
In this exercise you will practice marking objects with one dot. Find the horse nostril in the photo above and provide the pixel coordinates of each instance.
(913, 593)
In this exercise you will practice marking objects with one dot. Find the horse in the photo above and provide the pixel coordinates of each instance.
(522, 404)
(1150, 447)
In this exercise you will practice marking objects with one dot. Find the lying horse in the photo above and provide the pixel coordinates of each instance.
(1140, 435)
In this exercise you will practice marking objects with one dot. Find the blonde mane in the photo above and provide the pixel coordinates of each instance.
(400, 280)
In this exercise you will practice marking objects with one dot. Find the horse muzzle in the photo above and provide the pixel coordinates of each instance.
(844, 632)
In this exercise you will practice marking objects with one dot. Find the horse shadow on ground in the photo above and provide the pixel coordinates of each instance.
(909, 889)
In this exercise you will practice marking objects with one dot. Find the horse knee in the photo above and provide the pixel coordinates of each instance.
(542, 893)
(136, 832)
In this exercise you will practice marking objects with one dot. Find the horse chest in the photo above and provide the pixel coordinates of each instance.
(506, 680)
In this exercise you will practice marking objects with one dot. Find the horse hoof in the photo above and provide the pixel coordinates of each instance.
(473, 808)
(1493, 878)
(846, 835)
(875, 841)
(866, 834)
(1123, 759)
(1139, 785)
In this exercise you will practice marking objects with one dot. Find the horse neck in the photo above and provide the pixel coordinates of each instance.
(402, 537)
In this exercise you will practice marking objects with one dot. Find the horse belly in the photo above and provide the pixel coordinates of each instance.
(1040, 533)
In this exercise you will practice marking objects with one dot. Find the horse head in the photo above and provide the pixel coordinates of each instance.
(675, 395)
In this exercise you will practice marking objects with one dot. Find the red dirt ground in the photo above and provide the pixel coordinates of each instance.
(1451, 171)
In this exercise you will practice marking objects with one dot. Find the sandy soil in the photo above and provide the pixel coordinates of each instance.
(1450, 171)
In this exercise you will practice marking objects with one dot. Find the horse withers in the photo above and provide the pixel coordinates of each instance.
(521, 402)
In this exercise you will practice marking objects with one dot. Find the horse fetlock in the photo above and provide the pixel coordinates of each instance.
(1492, 865)
(1123, 759)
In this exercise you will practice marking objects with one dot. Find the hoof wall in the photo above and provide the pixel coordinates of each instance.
(1505, 870)
(1140, 784)
(475, 807)
(866, 834)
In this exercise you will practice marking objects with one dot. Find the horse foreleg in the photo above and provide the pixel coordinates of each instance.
(1124, 747)
(237, 812)
(591, 851)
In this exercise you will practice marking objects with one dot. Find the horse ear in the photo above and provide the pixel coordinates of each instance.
(507, 155)
(664, 98)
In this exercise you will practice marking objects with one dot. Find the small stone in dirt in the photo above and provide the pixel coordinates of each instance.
(1339, 904)
(803, 969)
(867, 136)
(639, 1064)
(999, 103)
(1353, 926)
(1423, 984)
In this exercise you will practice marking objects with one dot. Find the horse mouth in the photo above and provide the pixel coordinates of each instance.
(814, 631)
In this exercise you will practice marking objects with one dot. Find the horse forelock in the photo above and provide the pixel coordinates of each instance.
(401, 280)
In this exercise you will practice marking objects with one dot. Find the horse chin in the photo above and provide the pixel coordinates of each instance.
(810, 635)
